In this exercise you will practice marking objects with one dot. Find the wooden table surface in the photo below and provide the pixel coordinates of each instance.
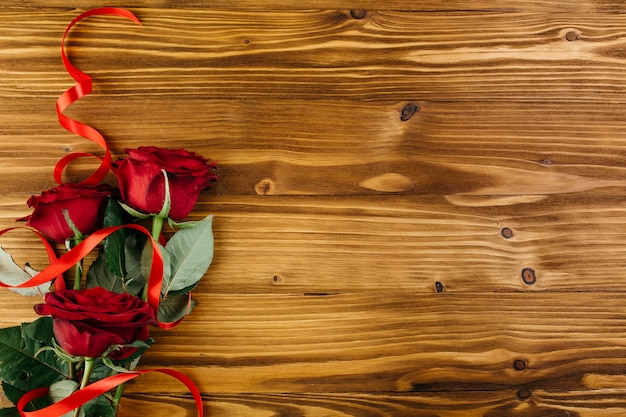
(420, 209)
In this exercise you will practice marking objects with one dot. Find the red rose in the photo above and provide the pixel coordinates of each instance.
(142, 183)
(85, 205)
(88, 322)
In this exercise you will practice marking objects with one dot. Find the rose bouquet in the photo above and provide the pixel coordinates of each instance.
(96, 318)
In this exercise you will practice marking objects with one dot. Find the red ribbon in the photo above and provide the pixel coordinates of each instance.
(58, 266)
(55, 270)
(96, 389)
(84, 87)
(71, 258)
(52, 257)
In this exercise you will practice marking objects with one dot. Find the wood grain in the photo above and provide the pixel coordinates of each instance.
(315, 245)
(420, 208)
(601, 403)
(462, 6)
(277, 148)
(326, 54)
(407, 342)
(438, 349)
(431, 342)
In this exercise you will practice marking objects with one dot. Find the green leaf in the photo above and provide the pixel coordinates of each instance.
(12, 393)
(174, 307)
(9, 412)
(191, 253)
(183, 291)
(12, 274)
(114, 243)
(99, 275)
(63, 389)
(134, 280)
(99, 407)
(146, 261)
(40, 330)
(20, 370)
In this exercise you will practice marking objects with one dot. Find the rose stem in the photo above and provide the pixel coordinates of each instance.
(157, 226)
(78, 274)
(117, 397)
(89, 364)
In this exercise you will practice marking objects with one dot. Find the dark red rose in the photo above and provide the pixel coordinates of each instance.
(142, 183)
(88, 322)
(85, 205)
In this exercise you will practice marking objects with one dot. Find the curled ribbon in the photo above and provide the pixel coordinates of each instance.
(55, 270)
(59, 265)
(84, 87)
(96, 389)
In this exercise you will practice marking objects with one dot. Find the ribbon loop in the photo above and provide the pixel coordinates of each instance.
(71, 258)
(83, 88)
(60, 265)
(98, 388)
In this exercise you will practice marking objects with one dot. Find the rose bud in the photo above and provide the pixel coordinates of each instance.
(88, 322)
(84, 204)
(142, 183)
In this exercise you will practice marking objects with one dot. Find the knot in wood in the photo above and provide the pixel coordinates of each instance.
(528, 276)
(519, 364)
(572, 35)
(523, 394)
(409, 111)
(265, 187)
(358, 13)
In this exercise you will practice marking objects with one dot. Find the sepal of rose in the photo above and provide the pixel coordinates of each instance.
(78, 236)
(61, 353)
(139, 344)
(66, 357)
(183, 225)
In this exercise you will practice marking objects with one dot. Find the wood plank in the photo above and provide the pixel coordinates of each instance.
(491, 353)
(465, 6)
(392, 342)
(326, 54)
(302, 244)
(590, 403)
(329, 245)
(297, 147)
(600, 403)
(369, 261)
